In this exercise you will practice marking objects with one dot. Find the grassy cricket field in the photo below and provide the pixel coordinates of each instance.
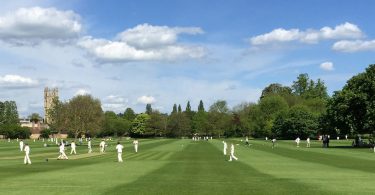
(182, 166)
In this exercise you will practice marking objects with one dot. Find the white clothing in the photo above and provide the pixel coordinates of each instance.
(73, 148)
(297, 141)
(89, 146)
(62, 152)
(21, 145)
(225, 147)
(232, 153)
(119, 148)
(135, 142)
(27, 158)
(102, 146)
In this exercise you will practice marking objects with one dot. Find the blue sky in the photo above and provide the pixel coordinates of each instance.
(129, 53)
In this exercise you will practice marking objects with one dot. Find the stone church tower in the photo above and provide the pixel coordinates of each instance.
(49, 95)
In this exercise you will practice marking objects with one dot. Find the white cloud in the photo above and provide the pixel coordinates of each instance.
(148, 36)
(144, 43)
(16, 81)
(115, 103)
(82, 92)
(146, 100)
(342, 31)
(327, 66)
(31, 25)
(354, 46)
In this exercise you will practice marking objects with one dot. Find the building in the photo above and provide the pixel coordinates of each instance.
(49, 95)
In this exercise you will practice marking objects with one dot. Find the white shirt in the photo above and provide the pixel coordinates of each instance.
(297, 140)
(62, 148)
(102, 144)
(225, 145)
(27, 149)
(232, 149)
(135, 142)
(119, 148)
(308, 140)
(73, 145)
(21, 143)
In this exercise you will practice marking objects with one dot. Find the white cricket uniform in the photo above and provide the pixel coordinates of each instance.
(102, 146)
(89, 146)
(308, 142)
(27, 157)
(119, 148)
(21, 145)
(297, 141)
(62, 152)
(232, 153)
(225, 147)
(73, 148)
(135, 143)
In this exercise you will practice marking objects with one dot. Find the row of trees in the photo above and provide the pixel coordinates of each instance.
(303, 109)
(9, 121)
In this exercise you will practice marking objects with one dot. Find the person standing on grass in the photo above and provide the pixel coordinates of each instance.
(102, 146)
(247, 141)
(62, 155)
(225, 147)
(21, 145)
(232, 153)
(73, 148)
(308, 142)
(273, 142)
(89, 145)
(135, 143)
(297, 141)
(27, 160)
(119, 148)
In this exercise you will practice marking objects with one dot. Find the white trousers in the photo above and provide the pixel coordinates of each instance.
(21, 148)
(119, 157)
(136, 148)
(232, 157)
(27, 159)
(102, 149)
(62, 156)
(73, 150)
(225, 151)
(90, 150)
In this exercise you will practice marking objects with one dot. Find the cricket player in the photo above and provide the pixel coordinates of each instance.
(247, 141)
(135, 143)
(297, 141)
(62, 155)
(232, 153)
(27, 153)
(308, 142)
(73, 148)
(21, 145)
(89, 146)
(119, 148)
(102, 146)
(225, 147)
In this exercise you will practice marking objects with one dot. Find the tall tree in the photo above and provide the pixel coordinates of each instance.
(188, 107)
(129, 114)
(139, 124)
(10, 113)
(148, 109)
(84, 116)
(201, 106)
(174, 109)
(301, 85)
(179, 109)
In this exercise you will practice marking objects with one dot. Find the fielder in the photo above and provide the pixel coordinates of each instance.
(225, 147)
(232, 153)
(27, 153)
(119, 148)
(297, 141)
(89, 146)
(135, 143)
(102, 146)
(21, 145)
(308, 142)
(73, 148)
(273, 142)
(62, 155)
